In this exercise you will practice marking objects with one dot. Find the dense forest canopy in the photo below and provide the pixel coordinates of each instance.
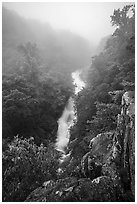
(37, 63)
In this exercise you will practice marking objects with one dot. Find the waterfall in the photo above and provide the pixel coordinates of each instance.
(64, 124)
(77, 81)
(66, 121)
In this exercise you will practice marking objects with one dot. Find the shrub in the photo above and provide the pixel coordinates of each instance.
(25, 167)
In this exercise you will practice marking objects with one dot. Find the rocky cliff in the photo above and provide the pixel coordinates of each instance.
(107, 170)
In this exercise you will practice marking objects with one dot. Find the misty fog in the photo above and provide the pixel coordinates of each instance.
(90, 20)
(68, 81)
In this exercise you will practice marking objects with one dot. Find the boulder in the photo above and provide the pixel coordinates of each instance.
(90, 168)
(101, 146)
(101, 189)
(52, 191)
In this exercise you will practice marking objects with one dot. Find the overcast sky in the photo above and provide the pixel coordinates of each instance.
(91, 20)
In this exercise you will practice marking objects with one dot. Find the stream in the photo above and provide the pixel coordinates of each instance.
(66, 121)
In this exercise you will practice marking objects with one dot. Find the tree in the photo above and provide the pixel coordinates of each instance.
(113, 70)
(33, 101)
(124, 20)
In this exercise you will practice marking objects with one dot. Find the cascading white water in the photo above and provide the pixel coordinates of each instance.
(66, 121)
(64, 124)
(77, 81)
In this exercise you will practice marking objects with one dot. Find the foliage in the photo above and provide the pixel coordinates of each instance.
(34, 97)
(70, 168)
(32, 104)
(112, 71)
(124, 20)
(25, 167)
(105, 118)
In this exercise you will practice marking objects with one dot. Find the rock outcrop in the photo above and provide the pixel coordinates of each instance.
(114, 152)
(128, 113)
(107, 170)
(72, 190)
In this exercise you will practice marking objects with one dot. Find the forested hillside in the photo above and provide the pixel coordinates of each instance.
(59, 50)
(111, 73)
(37, 63)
